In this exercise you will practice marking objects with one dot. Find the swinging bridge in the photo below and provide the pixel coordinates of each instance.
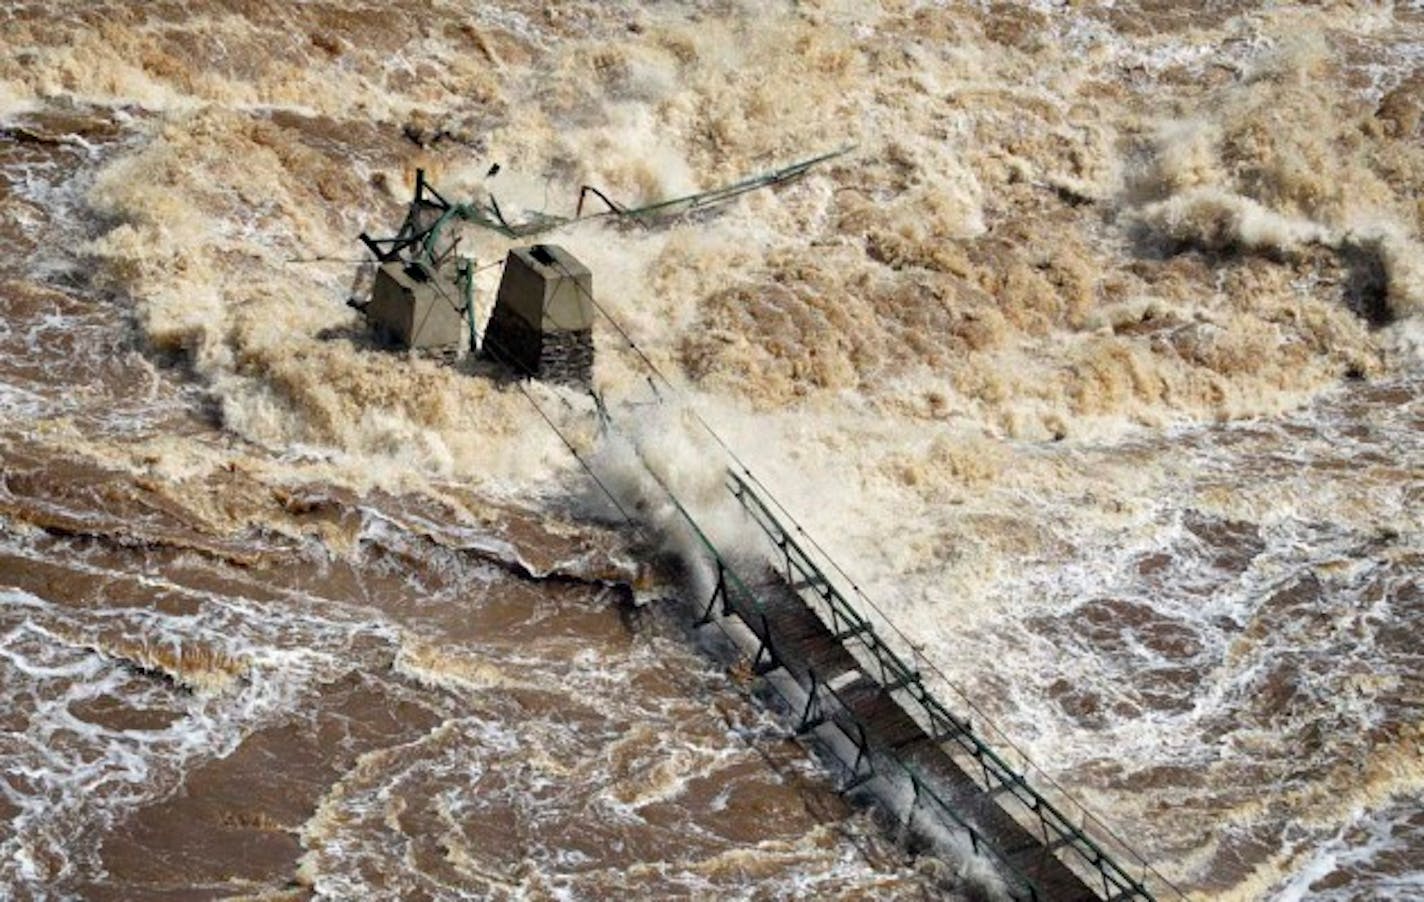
(840, 674)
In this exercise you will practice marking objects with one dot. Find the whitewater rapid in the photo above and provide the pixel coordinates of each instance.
(1096, 363)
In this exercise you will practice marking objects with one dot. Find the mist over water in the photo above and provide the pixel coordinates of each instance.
(1096, 362)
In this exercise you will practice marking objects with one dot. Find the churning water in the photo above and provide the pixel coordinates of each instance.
(1097, 362)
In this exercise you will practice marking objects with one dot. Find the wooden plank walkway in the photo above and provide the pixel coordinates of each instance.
(853, 682)
(851, 699)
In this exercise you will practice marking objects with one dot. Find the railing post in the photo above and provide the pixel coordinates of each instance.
(772, 661)
(807, 721)
(719, 592)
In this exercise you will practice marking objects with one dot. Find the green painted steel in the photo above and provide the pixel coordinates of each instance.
(999, 778)
(1020, 886)
(489, 216)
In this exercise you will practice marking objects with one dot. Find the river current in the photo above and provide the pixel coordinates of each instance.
(1096, 362)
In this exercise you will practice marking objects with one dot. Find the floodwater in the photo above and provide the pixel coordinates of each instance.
(1096, 362)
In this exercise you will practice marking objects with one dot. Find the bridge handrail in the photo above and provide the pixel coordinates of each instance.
(734, 585)
(998, 774)
(1085, 814)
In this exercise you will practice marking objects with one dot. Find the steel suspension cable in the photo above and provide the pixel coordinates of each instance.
(504, 352)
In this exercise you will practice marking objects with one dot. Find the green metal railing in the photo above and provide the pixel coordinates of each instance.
(1059, 834)
(489, 215)
(736, 597)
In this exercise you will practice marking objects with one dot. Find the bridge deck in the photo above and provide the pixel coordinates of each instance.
(820, 661)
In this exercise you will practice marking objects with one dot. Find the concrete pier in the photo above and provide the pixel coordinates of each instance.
(542, 324)
(415, 307)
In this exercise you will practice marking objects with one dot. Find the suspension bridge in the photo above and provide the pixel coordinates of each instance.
(837, 664)
(845, 687)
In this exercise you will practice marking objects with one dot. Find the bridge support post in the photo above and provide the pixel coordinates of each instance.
(811, 716)
(862, 746)
(914, 801)
(718, 593)
(773, 661)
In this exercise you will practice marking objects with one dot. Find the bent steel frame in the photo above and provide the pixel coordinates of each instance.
(430, 214)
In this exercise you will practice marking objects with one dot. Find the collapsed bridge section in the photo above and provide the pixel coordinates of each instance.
(836, 670)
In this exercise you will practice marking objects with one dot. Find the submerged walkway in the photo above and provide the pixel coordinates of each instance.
(858, 696)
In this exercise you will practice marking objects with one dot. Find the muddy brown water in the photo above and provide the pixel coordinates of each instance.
(330, 698)
(1069, 354)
